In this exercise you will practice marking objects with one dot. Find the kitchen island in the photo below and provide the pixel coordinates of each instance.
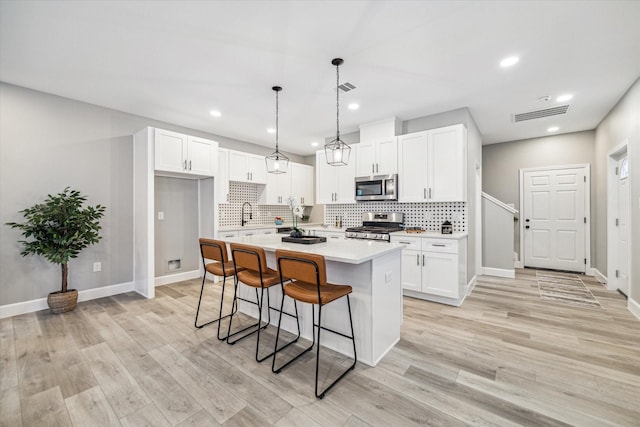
(371, 268)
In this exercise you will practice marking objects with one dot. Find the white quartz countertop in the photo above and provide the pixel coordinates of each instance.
(351, 251)
(429, 234)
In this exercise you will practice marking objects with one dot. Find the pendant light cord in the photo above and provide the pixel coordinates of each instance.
(337, 102)
(277, 151)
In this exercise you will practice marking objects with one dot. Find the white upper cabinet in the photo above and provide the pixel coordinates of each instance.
(377, 153)
(222, 178)
(278, 188)
(179, 154)
(302, 183)
(432, 165)
(245, 167)
(334, 184)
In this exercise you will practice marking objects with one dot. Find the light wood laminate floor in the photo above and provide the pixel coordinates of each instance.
(504, 358)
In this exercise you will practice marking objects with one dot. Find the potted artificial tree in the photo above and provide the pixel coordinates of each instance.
(58, 230)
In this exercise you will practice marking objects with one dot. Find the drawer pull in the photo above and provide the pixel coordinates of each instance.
(438, 244)
(406, 243)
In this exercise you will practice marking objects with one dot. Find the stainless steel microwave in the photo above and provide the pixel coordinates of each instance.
(377, 187)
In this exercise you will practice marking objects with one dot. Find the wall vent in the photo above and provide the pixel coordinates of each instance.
(538, 114)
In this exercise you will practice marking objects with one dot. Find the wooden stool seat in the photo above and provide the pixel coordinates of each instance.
(308, 292)
(255, 280)
(221, 269)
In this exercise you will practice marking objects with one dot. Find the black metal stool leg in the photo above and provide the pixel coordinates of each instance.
(220, 316)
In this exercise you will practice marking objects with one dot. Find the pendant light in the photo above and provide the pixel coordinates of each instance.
(337, 151)
(276, 161)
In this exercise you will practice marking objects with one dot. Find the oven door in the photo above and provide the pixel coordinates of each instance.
(381, 187)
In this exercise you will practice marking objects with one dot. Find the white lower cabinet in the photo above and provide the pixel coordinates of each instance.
(227, 234)
(433, 268)
(256, 231)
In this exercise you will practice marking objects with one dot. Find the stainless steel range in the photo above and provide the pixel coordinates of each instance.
(377, 226)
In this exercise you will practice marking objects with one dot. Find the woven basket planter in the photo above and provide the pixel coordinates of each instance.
(62, 302)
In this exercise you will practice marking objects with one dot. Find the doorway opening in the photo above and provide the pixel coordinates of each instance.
(618, 209)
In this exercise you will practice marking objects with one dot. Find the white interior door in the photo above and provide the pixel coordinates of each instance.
(554, 219)
(622, 270)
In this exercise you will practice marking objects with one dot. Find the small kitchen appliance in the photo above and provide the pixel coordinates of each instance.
(377, 187)
(377, 226)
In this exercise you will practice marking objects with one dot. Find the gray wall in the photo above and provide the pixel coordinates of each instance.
(497, 232)
(176, 237)
(502, 163)
(48, 143)
(622, 122)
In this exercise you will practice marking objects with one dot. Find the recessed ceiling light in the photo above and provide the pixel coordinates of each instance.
(553, 129)
(354, 106)
(314, 144)
(271, 130)
(215, 113)
(508, 62)
(563, 98)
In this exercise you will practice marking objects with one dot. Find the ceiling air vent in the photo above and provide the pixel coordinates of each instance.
(538, 114)
(346, 87)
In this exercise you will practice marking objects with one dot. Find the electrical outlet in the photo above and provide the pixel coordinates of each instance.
(97, 266)
(160, 216)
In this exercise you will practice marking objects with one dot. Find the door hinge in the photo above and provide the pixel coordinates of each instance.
(585, 261)
(617, 273)
(616, 170)
(617, 222)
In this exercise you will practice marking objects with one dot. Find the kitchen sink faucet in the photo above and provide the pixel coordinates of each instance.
(242, 221)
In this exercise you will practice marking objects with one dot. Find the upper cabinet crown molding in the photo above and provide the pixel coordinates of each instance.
(377, 152)
(177, 154)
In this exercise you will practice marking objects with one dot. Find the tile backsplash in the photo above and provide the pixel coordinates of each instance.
(262, 214)
(429, 216)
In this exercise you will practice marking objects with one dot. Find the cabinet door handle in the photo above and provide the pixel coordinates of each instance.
(189, 164)
(227, 197)
(423, 260)
(373, 168)
(185, 165)
(429, 192)
(438, 244)
(248, 234)
(406, 243)
(247, 176)
(376, 168)
(418, 259)
(425, 193)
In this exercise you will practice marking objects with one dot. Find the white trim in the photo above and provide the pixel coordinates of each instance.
(499, 203)
(518, 264)
(612, 202)
(587, 208)
(499, 272)
(599, 276)
(15, 309)
(633, 307)
(179, 277)
(471, 285)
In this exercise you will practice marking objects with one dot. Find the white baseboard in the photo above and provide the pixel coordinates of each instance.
(472, 284)
(15, 309)
(599, 276)
(499, 272)
(518, 264)
(633, 307)
(173, 278)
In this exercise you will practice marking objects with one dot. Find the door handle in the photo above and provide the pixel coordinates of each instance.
(185, 165)
(423, 260)
(527, 227)
(247, 176)
(418, 259)
(251, 176)
(189, 164)
(429, 192)
(425, 193)
(527, 220)
(376, 168)
(373, 168)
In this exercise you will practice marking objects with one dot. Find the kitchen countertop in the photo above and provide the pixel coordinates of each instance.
(350, 251)
(261, 226)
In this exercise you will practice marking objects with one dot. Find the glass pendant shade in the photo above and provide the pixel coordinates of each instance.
(276, 161)
(337, 151)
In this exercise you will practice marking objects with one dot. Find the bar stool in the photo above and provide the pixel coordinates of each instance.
(216, 251)
(251, 269)
(309, 284)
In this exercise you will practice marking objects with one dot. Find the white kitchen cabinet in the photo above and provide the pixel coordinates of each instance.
(256, 231)
(334, 184)
(227, 234)
(302, 183)
(222, 178)
(433, 268)
(177, 154)
(246, 167)
(432, 165)
(377, 153)
(278, 188)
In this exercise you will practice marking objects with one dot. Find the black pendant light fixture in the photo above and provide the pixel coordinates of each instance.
(276, 161)
(337, 151)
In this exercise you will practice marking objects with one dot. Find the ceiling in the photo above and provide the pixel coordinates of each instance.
(176, 60)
